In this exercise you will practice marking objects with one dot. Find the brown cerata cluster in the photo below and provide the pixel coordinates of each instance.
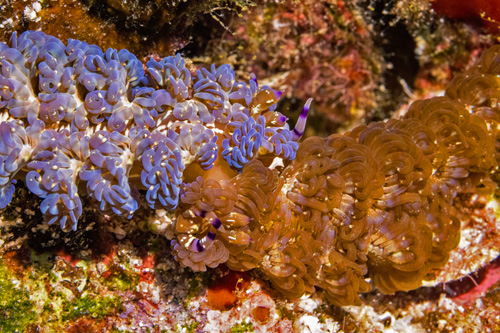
(370, 208)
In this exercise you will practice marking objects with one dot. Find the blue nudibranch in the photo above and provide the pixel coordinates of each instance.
(73, 116)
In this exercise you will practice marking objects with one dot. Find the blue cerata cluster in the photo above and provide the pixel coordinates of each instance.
(74, 117)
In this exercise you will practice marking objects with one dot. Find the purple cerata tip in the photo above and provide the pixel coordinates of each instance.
(211, 235)
(199, 247)
(305, 109)
(296, 132)
(299, 129)
(282, 119)
(216, 223)
(254, 79)
(203, 213)
(278, 93)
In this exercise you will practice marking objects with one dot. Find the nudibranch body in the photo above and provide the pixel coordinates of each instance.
(75, 117)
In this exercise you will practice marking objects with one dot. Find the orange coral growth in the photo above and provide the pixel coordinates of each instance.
(261, 314)
(68, 258)
(221, 293)
(371, 207)
(146, 268)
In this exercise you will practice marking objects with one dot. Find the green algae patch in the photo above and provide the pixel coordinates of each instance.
(121, 280)
(95, 307)
(188, 328)
(16, 308)
(243, 327)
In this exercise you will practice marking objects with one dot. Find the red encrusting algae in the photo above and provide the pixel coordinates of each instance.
(222, 292)
(488, 11)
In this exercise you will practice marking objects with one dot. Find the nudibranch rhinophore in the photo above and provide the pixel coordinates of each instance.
(214, 158)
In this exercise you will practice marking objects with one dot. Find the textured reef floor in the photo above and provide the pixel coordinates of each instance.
(116, 274)
(119, 275)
